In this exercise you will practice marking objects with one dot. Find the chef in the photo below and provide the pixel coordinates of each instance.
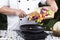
(18, 10)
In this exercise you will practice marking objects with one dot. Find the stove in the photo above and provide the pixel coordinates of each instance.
(33, 36)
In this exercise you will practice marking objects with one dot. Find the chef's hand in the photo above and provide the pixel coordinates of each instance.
(21, 13)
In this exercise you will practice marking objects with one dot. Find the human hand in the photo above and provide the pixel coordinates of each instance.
(21, 13)
(47, 12)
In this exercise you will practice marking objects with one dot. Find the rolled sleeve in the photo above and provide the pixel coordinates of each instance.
(3, 3)
(43, 1)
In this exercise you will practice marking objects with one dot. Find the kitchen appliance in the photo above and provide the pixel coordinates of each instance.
(33, 32)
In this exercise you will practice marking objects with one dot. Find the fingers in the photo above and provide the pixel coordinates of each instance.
(22, 14)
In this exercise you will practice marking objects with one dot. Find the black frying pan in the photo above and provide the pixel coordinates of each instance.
(33, 28)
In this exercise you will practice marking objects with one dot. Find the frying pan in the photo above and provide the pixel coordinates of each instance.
(32, 28)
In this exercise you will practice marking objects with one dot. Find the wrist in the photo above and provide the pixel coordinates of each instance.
(17, 12)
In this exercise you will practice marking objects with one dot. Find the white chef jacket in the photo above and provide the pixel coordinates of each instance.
(26, 5)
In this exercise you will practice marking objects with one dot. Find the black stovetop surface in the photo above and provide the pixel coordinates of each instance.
(32, 36)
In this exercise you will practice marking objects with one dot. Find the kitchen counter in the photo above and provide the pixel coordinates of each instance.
(3, 33)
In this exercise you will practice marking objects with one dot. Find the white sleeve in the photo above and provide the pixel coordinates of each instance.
(43, 1)
(3, 3)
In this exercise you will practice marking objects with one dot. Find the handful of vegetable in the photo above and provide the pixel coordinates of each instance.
(39, 16)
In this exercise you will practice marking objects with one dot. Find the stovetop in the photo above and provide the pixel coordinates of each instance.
(33, 36)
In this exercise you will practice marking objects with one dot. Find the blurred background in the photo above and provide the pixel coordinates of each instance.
(48, 23)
